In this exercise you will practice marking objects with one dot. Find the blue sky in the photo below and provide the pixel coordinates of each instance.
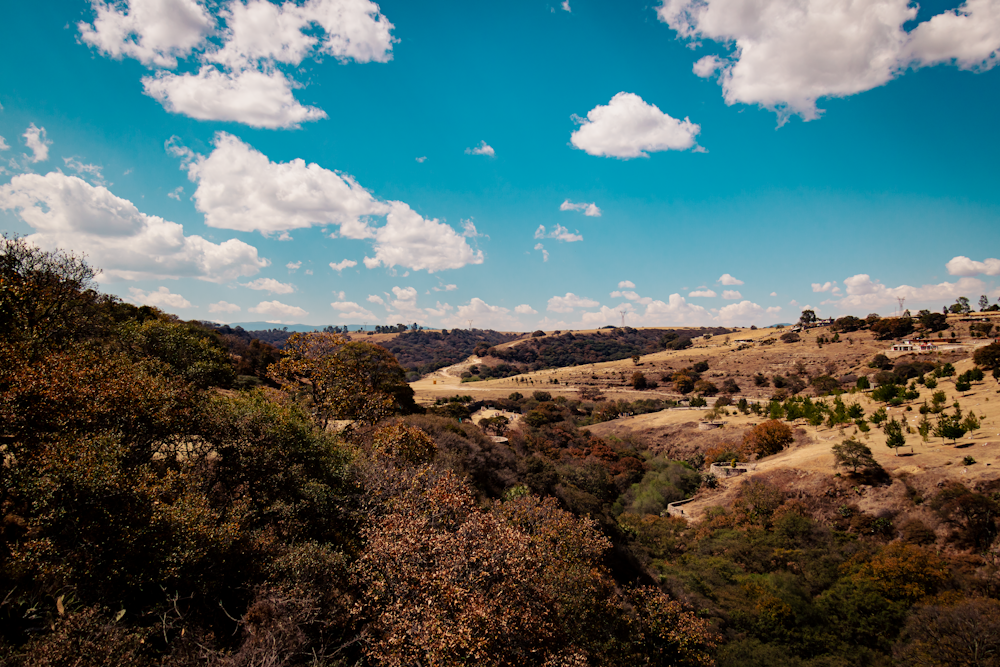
(521, 165)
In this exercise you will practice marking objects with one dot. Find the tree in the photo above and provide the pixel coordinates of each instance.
(863, 383)
(46, 298)
(984, 303)
(808, 316)
(768, 438)
(853, 454)
(638, 380)
(933, 321)
(894, 438)
(892, 327)
(790, 337)
(965, 633)
(343, 379)
(497, 424)
(988, 356)
(949, 427)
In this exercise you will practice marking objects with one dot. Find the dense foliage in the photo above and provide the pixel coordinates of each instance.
(575, 349)
(422, 352)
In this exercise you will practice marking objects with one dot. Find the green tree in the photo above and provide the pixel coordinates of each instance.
(863, 383)
(984, 303)
(808, 316)
(949, 427)
(894, 438)
(853, 454)
(988, 356)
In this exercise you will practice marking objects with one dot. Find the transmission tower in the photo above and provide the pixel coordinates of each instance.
(623, 317)
(470, 325)
(901, 300)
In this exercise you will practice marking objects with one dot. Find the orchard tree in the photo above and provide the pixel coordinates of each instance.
(950, 427)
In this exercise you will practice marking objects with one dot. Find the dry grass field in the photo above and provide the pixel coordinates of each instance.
(808, 465)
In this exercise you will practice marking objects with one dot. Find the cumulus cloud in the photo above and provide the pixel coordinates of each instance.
(525, 309)
(408, 239)
(422, 159)
(703, 293)
(482, 149)
(773, 310)
(293, 266)
(244, 50)
(3, 145)
(352, 311)
(223, 307)
(626, 284)
(566, 304)
(343, 264)
(278, 312)
(251, 97)
(67, 212)
(483, 316)
(445, 288)
(589, 209)
(963, 266)
(565, 6)
(726, 279)
(786, 54)
(161, 298)
(270, 285)
(34, 139)
(545, 253)
(774, 294)
(176, 193)
(628, 127)
(731, 294)
(240, 188)
(743, 311)
(375, 298)
(864, 292)
(631, 296)
(559, 233)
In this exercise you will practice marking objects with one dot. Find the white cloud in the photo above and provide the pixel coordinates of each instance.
(240, 80)
(34, 138)
(344, 264)
(176, 192)
(161, 298)
(412, 241)
(626, 284)
(375, 298)
(91, 171)
(483, 316)
(825, 287)
(270, 285)
(675, 311)
(631, 296)
(525, 309)
(565, 6)
(590, 210)
(240, 188)
(743, 311)
(293, 266)
(68, 212)
(703, 293)
(258, 99)
(350, 310)
(3, 145)
(223, 307)
(863, 292)
(278, 311)
(445, 288)
(628, 127)
(786, 54)
(773, 310)
(545, 253)
(565, 304)
(482, 149)
(774, 294)
(963, 266)
(422, 159)
(559, 233)
(731, 294)
(727, 279)
(154, 32)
